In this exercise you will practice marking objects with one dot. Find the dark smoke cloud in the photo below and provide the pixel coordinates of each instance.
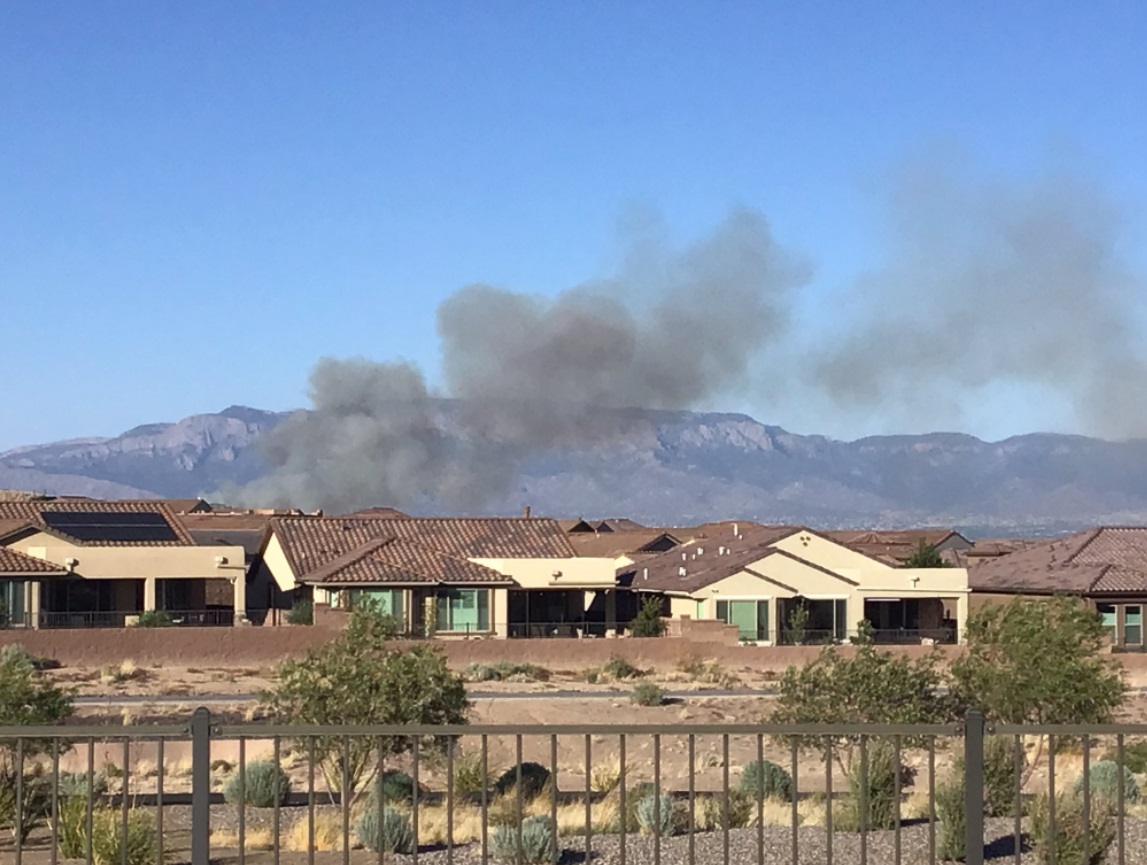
(990, 282)
(673, 330)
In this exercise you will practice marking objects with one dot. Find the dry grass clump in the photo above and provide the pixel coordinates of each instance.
(254, 839)
(328, 834)
(125, 671)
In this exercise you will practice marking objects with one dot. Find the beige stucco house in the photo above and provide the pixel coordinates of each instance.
(490, 577)
(105, 563)
(790, 584)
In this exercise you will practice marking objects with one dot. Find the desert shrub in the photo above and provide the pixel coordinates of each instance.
(75, 784)
(154, 619)
(999, 775)
(535, 777)
(655, 815)
(1105, 777)
(765, 779)
(393, 835)
(618, 668)
(710, 672)
(302, 612)
(14, 653)
(647, 694)
(468, 774)
(110, 846)
(876, 792)
(742, 807)
(1134, 756)
(604, 779)
(1066, 843)
(264, 784)
(505, 671)
(536, 844)
(951, 817)
(394, 786)
(34, 802)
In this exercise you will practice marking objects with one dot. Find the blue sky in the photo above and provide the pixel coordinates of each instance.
(198, 200)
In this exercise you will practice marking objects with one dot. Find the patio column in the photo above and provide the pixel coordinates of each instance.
(611, 612)
(149, 594)
(33, 603)
(239, 599)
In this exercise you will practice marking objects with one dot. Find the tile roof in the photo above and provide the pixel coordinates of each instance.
(893, 547)
(613, 544)
(1103, 560)
(13, 562)
(393, 560)
(310, 543)
(30, 513)
(706, 561)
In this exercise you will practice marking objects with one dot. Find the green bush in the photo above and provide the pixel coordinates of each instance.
(647, 694)
(766, 780)
(742, 807)
(618, 668)
(537, 842)
(1104, 777)
(302, 612)
(655, 815)
(264, 784)
(468, 776)
(394, 786)
(951, 817)
(535, 777)
(34, 805)
(109, 845)
(648, 622)
(393, 835)
(75, 784)
(1066, 844)
(1134, 756)
(878, 789)
(504, 671)
(1000, 776)
(154, 619)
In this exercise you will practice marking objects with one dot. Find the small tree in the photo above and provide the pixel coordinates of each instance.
(648, 621)
(926, 556)
(872, 687)
(796, 628)
(362, 678)
(1038, 662)
(27, 698)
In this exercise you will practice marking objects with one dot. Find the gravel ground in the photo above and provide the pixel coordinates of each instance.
(708, 847)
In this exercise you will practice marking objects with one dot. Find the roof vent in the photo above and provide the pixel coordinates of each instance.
(681, 571)
(700, 551)
(720, 551)
(684, 557)
(645, 573)
(736, 530)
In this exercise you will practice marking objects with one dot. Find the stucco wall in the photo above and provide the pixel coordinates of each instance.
(135, 562)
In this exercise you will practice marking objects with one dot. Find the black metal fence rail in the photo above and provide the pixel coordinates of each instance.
(48, 813)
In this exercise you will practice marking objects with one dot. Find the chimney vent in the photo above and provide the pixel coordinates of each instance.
(700, 551)
(526, 512)
(645, 573)
(681, 571)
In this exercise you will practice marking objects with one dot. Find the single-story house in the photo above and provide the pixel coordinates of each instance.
(789, 584)
(106, 562)
(895, 547)
(498, 577)
(1106, 566)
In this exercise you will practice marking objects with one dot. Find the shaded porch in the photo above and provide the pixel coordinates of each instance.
(561, 613)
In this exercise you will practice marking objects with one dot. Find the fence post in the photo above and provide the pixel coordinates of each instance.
(201, 786)
(974, 787)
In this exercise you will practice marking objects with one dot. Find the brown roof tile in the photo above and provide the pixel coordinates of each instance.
(705, 561)
(30, 512)
(1102, 560)
(893, 547)
(311, 542)
(393, 560)
(13, 562)
(613, 544)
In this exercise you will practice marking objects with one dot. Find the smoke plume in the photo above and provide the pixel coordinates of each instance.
(672, 330)
(990, 282)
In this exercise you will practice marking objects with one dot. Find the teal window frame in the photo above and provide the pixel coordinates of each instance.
(1133, 624)
(1109, 615)
(462, 611)
(759, 632)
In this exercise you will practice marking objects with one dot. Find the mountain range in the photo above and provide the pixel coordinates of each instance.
(679, 467)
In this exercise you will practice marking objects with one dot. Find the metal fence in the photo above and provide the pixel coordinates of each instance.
(674, 793)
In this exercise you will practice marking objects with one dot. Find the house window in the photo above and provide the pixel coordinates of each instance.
(11, 603)
(1133, 625)
(750, 617)
(1110, 619)
(464, 610)
(388, 601)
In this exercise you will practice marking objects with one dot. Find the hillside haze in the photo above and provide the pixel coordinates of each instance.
(677, 467)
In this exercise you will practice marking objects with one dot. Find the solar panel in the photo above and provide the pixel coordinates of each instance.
(132, 526)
